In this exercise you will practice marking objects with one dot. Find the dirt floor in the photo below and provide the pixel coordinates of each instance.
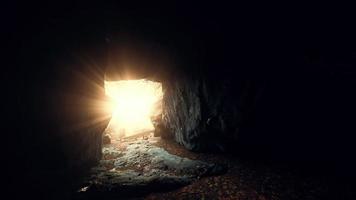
(235, 179)
(243, 180)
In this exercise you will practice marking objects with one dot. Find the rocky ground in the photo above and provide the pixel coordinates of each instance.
(138, 166)
(151, 168)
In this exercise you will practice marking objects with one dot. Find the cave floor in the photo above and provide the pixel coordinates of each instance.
(152, 168)
(136, 167)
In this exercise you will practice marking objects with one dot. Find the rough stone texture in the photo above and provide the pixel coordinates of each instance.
(106, 139)
(128, 183)
(143, 153)
(182, 112)
(206, 114)
(137, 167)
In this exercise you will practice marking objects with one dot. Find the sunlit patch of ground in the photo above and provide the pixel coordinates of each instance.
(120, 176)
(137, 166)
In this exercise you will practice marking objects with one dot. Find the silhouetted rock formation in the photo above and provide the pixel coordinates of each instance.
(205, 113)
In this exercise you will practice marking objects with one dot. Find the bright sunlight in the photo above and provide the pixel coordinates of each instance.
(136, 102)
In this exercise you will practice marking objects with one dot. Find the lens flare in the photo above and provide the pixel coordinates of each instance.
(135, 102)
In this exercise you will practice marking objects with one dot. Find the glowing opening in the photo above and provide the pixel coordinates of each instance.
(135, 103)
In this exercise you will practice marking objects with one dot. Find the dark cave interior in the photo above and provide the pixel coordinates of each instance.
(242, 85)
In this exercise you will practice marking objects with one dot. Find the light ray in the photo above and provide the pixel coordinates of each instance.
(136, 101)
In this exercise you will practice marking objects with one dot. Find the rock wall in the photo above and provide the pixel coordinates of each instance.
(182, 112)
(207, 113)
(57, 89)
(291, 114)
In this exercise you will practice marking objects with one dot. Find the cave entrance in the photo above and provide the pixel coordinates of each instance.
(137, 105)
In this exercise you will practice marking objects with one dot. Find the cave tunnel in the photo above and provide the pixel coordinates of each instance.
(170, 101)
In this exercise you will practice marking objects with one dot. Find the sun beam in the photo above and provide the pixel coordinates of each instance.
(135, 102)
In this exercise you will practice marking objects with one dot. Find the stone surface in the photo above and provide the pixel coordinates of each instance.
(201, 113)
(139, 167)
(106, 139)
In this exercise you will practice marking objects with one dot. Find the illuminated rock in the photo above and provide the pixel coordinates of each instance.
(106, 139)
